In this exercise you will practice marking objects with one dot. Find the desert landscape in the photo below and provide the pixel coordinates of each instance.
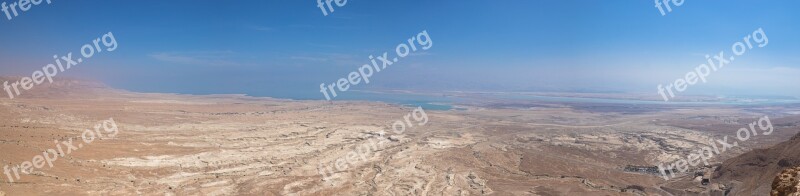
(398, 98)
(239, 145)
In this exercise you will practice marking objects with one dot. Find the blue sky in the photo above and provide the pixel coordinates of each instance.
(287, 48)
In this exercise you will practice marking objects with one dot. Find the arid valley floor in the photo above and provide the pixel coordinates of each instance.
(240, 145)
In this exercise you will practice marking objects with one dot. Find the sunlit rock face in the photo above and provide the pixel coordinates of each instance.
(786, 183)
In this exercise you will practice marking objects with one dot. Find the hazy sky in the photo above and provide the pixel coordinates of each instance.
(287, 48)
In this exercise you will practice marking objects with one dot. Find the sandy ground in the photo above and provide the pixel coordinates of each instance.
(237, 145)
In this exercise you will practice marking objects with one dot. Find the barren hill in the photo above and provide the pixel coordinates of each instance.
(60, 88)
(752, 173)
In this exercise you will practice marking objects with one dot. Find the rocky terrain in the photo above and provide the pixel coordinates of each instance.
(787, 183)
(240, 145)
(752, 173)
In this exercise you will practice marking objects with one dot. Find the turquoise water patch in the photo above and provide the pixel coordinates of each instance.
(429, 106)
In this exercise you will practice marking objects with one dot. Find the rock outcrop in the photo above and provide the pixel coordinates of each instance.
(786, 183)
(752, 172)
